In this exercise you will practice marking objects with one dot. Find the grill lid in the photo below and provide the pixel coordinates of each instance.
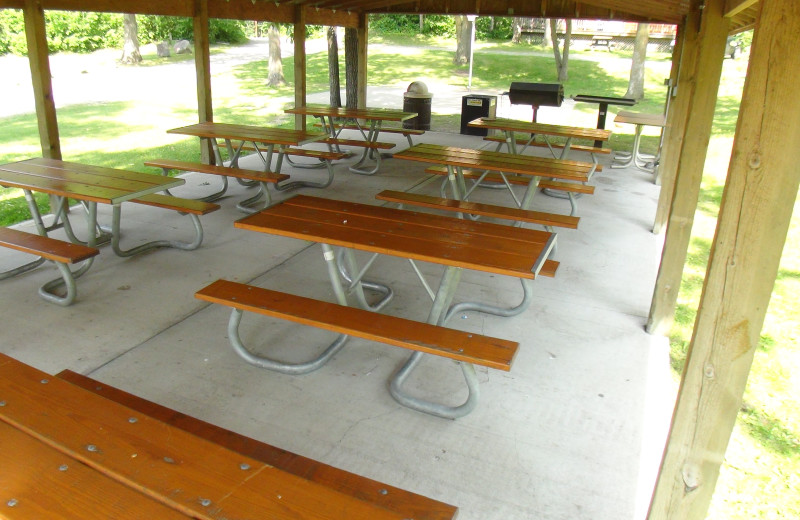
(539, 94)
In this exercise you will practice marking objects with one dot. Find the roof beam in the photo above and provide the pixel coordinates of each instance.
(734, 7)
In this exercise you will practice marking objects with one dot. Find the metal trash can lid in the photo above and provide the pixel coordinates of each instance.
(417, 89)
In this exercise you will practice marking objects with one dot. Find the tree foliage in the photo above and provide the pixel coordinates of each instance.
(73, 31)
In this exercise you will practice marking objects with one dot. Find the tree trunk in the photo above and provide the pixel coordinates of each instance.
(548, 34)
(561, 56)
(275, 77)
(333, 68)
(463, 40)
(130, 46)
(351, 66)
(516, 27)
(421, 23)
(636, 82)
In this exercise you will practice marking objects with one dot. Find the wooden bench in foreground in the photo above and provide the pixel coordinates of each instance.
(487, 210)
(407, 504)
(75, 451)
(60, 252)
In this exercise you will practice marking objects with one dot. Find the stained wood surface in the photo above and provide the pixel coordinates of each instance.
(576, 147)
(514, 125)
(258, 134)
(475, 208)
(213, 169)
(388, 497)
(82, 181)
(195, 207)
(638, 118)
(383, 114)
(182, 471)
(481, 246)
(412, 335)
(360, 142)
(497, 161)
(52, 248)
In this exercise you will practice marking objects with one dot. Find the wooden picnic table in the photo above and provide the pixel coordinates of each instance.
(509, 127)
(74, 453)
(453, 243)
(335, 119)
(602, 108)
(461, 163)
(639, 120)
(92, 185)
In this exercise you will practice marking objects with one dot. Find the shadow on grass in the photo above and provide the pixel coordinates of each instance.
(769, 432)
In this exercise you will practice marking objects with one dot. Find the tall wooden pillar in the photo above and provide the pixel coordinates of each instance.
(202, 65)
(754, 217)
(671, 114)
(701, 84)
(299, 64)
(363, 34)
(41, 79)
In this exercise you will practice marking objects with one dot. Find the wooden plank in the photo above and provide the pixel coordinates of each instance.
(408, 334)
(259, 134)
(52, 248)
(79, 176)
(756, 211)
(189, 474)
(388, 497)
(41, 482)
(475, 174)
(61, 188)
(195, 207)
(382, 114)
(241, 173)
(433, 243)
(576, 132)
(573, 187)
(474, 208)
(540, 144)
(41, 78)
(640, 118)
(714, 30)
(505, 157)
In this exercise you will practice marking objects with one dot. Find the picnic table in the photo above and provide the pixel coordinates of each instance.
(602, 108)
(639, 120)
(509, 128)
(263, 140)
(78, 449)
(336, 119)
(504, 168)
(453, 243)
(91, 185)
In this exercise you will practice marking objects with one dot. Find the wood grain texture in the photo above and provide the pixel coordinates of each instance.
(51, 248)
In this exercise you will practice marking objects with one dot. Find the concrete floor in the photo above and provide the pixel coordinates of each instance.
(574, 431)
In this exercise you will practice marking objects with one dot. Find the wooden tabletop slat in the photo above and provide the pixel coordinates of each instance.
(428, 220)
(259, 134)
(638, 118)
(580, 166)
(90, 179)
(60, 188)
(384, 114)
(437, 245)
(540, 128)
(44, 483)
(172, 466)
(101, 171)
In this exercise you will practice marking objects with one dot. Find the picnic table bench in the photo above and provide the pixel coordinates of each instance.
(453, 243)
(75, 448)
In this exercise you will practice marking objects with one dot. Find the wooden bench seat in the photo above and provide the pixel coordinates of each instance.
(194, 207)
(58, 251)
(412, 335)
(192, 476)
(389, 130)
(322, 155)
(407, 504)
(374, 145)
(577, 147)
(487, 210)
(240, 173)
(515, 179)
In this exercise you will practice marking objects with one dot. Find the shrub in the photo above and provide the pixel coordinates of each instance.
(160, 28)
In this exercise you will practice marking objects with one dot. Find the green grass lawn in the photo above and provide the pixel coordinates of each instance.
(762, 468)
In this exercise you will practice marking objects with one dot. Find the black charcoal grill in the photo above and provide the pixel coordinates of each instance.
(536, 94)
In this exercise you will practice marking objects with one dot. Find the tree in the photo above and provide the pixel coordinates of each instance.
(275, 77)
(333, 68)
(561, 56)
(463, 39)
(636, 82)
(130, 44)
(351, 66)
(516, 29)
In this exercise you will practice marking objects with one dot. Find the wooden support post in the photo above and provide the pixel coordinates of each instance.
(363, 34)
(36, 35)
(671, 115)
(754, 217)
(702, 94)
(299, 65)
(202, 65)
